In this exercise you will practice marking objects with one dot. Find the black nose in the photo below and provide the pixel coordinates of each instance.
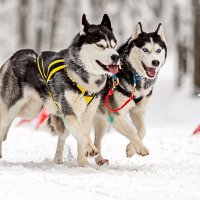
(115, 57)
(155, 63)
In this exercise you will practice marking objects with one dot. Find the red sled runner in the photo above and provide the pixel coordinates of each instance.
(197, 130)
(41, 118)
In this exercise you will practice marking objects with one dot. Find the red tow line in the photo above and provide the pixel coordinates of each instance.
(110, 93)
(41, 118)
(197, 130)
(122, 106)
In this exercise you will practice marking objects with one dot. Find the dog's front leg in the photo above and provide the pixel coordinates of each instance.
(138, 120)
(135, 144)
(101, 125)
(81, 134)
(137, 115)
(88, 124)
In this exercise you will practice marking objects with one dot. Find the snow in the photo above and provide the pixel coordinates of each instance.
(171, 171)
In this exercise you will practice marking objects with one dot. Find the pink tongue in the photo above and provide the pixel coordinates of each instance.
(151, 72)
(113, 69)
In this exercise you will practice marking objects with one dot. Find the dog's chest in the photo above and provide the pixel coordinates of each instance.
(142, 92)
(143, 89)
(79, 104)
(120, 99)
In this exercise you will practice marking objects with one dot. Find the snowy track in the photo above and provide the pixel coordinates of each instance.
(171, 171)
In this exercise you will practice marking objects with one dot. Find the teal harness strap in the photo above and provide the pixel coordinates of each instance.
(111, 118)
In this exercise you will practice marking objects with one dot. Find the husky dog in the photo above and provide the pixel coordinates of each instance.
(142, 57)
(68, 83)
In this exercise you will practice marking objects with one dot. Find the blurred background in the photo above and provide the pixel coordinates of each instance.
(51, 25)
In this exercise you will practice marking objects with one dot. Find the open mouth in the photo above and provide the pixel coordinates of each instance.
(151, 72)
(110, 68)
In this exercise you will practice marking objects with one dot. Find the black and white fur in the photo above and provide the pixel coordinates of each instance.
(88, 59)
(142, 52)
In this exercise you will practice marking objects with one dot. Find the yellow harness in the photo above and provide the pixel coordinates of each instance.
(55, 66)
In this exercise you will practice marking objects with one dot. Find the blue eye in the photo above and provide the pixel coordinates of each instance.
(145, 50)
(158, 51)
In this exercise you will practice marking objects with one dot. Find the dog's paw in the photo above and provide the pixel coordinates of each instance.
(58, 161)
(141, 150)
(101, 161)
(91, 151)
(130, 150)
(83, 163)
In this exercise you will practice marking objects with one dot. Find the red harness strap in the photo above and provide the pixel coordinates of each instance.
(122, 106)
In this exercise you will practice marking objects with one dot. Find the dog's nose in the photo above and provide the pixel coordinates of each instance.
(115, 57)
(155, 63)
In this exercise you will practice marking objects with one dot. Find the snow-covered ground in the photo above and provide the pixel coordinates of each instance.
(171, 171)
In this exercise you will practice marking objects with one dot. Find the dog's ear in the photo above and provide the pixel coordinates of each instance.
(85, 24)
(106, 22)
(137, 31)
(159, 31)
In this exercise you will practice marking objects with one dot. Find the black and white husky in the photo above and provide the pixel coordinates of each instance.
(67, 83)
(142, 57)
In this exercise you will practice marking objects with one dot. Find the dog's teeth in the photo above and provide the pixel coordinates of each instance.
(107, 66)
(120, 67)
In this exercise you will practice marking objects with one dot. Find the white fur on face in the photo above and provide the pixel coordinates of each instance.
(137, 55)
(91, 52)
(102, 43)
(113, 44)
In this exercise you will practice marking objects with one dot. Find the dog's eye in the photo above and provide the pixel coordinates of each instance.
(158, 51)
(145, 50)
(101, 46)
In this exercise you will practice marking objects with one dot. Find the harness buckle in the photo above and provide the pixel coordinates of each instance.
(133, 90)
(115, 81)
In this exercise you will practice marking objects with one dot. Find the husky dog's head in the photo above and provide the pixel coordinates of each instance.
(147, 51)
(96, 45)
